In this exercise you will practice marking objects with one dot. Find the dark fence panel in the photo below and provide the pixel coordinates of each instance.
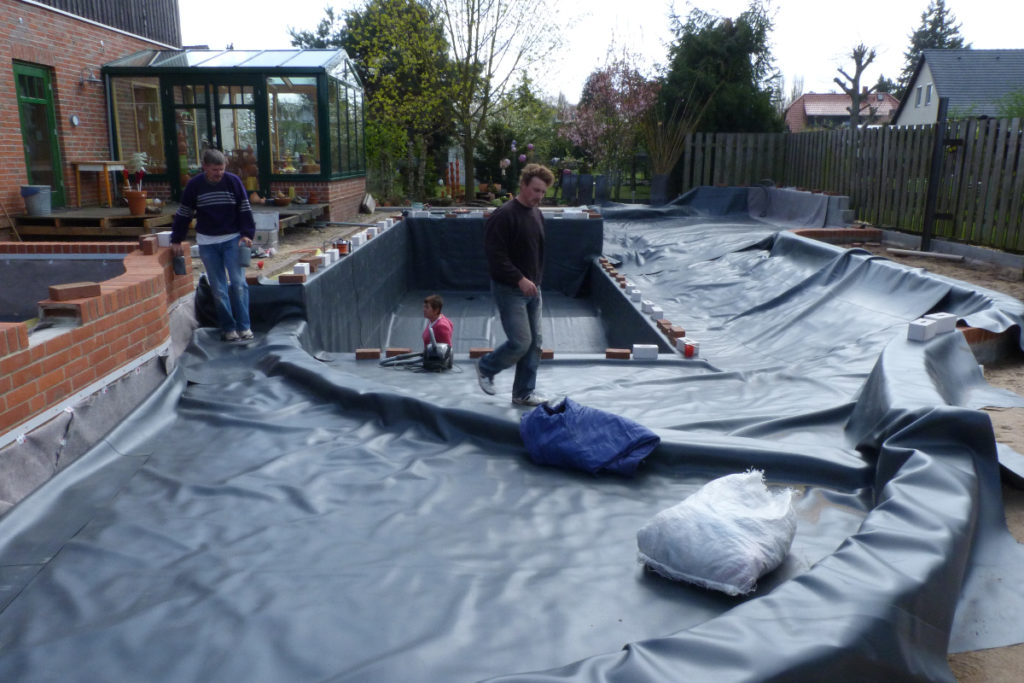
(885, 173)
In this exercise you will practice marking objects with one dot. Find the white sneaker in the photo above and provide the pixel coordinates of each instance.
(231, 336)
(486, 383)
(530, 400)
(245, 335)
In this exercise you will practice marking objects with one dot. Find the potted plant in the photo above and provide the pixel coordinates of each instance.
(135, 170)
(665, 137)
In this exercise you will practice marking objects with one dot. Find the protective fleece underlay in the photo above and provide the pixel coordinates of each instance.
(281, 511)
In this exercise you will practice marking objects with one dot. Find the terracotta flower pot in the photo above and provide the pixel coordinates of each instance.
(136, 202)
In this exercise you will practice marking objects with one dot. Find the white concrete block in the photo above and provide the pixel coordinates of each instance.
(163, 239)
(921, 329)
(690, 347)
(636, 295)
(334, 255)
(944, 322)
(645, 352)
(646, 306)
(301, 269)
(657, 313)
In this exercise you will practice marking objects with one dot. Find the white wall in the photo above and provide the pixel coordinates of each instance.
(925, 111)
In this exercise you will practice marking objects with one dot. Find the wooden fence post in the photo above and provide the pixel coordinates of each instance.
(935, 175)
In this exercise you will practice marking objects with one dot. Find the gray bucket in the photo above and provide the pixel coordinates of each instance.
(37, 199)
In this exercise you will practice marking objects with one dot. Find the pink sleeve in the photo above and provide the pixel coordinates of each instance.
(443, 330)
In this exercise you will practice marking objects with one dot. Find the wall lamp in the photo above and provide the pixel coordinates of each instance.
(88, 76)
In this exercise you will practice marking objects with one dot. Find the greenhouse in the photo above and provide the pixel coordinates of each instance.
(282, 117)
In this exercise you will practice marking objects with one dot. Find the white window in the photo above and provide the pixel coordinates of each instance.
(917, 99)
(928, 95)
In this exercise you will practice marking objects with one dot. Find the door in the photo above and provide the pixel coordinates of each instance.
(219, 115)
(39, 129)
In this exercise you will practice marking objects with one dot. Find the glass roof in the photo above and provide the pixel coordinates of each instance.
(221, 59)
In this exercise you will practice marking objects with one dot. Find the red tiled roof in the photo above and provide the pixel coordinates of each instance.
(836, 105)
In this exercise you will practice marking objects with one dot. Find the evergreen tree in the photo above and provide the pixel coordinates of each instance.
(885, 85)
(939, 30)
(728, 64)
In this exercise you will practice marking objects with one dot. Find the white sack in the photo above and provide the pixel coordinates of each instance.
(724, 537)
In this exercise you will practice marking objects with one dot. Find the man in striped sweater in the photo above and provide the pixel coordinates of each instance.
(218, 201)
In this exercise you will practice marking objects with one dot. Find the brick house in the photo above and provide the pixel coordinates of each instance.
(55, 107)
(832, 110)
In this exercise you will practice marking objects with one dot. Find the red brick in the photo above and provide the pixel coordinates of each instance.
(74, 290)
(14, 415)
(617, 354)
(393, 351)
(23, 393)
(479, 351)
(58, 393)
(547, 354)
(367, 354)
(291, 278)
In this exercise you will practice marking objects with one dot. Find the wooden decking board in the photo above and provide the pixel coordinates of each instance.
(116, 222)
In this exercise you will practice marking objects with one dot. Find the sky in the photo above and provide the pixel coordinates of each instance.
(810, 40)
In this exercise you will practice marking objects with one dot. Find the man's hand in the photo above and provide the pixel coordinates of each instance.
(246, 241)
(527, 287)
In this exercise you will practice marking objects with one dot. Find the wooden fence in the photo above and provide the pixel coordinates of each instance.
(885, 173)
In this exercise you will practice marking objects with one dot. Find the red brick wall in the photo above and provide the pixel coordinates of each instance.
(127, 320)
(342, 196)
(35, 34)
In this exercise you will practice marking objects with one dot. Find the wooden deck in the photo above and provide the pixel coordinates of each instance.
(116, 223)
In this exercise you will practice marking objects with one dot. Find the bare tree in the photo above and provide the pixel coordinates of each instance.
(862, 56)
(491, 41)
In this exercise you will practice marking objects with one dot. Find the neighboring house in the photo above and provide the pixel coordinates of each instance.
(831, 110)
(974, 81)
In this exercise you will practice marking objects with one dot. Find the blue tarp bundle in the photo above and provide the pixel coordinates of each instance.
(573, 436)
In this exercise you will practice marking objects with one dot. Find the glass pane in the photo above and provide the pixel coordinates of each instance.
(137, 116)
(231, 58)
(312, 58)
(272, 58)
(190, 94)
(235, 95)
(37, 144)
(238, 142)
(191, 125)
(294, 141)
(336, 117)
(346, 127)
(141, 58)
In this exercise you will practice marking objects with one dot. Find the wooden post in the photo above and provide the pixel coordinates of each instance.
(935, 175)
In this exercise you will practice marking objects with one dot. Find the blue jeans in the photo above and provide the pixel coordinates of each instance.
(232, 301)
(520, 318)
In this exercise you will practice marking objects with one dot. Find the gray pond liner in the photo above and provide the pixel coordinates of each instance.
(266, 515)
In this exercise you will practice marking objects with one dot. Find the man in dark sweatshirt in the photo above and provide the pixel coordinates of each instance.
(514, 244)
(218, 201)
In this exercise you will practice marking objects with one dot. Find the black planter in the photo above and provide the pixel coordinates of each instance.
(659, 189)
